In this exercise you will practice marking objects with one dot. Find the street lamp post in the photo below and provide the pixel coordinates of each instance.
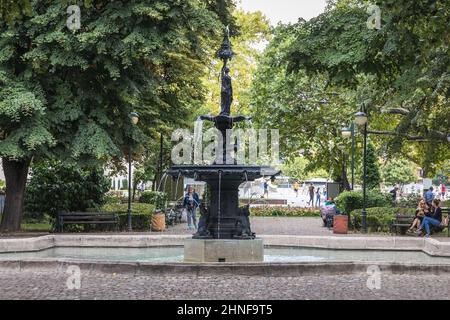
(134, 118)
(361, 119)
(347, 133)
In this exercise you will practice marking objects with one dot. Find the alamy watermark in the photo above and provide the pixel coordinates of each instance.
(73, 282)
(74, 19)
(374, 21)
(233, 146)
(374, 280)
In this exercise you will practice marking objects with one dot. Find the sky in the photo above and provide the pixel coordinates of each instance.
(285, 10)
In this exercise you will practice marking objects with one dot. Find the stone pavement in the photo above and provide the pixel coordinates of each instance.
(96, 285)
(273, 226)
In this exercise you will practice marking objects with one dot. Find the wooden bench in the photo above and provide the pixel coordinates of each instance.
(402, 223)
(86, 218)
(445, 214)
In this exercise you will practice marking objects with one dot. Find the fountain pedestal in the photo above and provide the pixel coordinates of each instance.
(212, 250)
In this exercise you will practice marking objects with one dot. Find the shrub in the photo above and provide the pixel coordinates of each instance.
(2, 186)
(158, 199)
(379, 219)
(284, 212)
(56, 186)
(351, 200)
(410, 201)
(141, 215)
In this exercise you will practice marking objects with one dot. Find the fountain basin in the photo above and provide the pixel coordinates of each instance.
(200, 250)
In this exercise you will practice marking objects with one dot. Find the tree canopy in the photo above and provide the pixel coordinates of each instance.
(68, 95)
(315, 74)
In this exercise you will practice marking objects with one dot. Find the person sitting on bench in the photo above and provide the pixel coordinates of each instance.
(435, 220)
(421, 212)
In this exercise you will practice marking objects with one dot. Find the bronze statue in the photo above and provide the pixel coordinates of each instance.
(226, 92)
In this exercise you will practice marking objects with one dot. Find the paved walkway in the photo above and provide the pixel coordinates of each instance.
(96, 285)
(273, 226)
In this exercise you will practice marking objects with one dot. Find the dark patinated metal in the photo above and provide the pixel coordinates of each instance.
(221, 217)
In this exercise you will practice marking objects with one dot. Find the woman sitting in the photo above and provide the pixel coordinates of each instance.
(435, 220)
(421, 212)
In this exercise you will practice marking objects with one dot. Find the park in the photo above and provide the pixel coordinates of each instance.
(224, 150)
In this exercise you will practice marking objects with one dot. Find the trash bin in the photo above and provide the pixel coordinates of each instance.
(158, 221)
(340, 224)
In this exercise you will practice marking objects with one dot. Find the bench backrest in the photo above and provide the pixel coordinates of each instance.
(404, 218)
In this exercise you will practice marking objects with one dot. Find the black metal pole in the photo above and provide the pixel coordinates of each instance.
(353, 155)
(129, 189)
(364, 213)
(161, 156)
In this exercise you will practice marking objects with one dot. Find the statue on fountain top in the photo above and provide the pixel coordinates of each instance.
(226, 92)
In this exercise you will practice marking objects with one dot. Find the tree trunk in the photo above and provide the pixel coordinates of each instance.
(16, 173)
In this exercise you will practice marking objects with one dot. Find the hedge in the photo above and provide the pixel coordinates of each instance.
(284, 212)
(379, 219)
(156, 198)
(351, 200)
(141, 215)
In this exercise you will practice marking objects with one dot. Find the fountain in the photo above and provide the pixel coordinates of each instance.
(224, 233)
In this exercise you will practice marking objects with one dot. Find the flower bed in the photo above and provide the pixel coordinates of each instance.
(284, 212)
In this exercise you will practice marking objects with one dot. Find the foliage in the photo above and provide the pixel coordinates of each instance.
(299, 168)
(348, 201)
(398, 171)
(401, 71)
(141, 215)
(284, 212)
(158, 199)
(56, 186)
(373, 178)
(379, 219)
(2, 186)
(305, 110)
(410, 201)
(68, 95)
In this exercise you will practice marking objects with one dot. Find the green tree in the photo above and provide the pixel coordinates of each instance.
(299, 168)
(373, 177)
(398, 171)
(56, 186)
(406, 62)
(314, 75)
(67, 95)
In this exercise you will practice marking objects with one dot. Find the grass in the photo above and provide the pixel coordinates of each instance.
(36, 227)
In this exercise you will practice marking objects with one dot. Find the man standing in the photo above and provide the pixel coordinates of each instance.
(191, 202)
(393, 192)
(429, 197)
(443, 191)
(296, 187)
(311, 194)
(266, 189)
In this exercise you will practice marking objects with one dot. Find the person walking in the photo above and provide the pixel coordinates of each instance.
(443, 191)
(266, 189)
(311, 195)
(318, 197)
(296, 186)
(393, 193)
(191, 202)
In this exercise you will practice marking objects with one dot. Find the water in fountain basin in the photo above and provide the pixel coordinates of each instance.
(272, 254)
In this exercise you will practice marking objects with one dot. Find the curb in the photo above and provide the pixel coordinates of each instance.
(241, 269)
